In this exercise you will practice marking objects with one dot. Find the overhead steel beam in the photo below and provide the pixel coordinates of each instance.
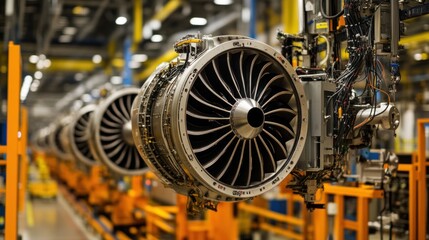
(41, 26)
(138, 22)
(9, 14)
(161, 15)
(224, 20)
(57, 8)
(92, 82)
(87, 3)
(22, 6)
(66, 51)
(290, 15)
(167, 10)
(68, 65)
(151, 66)
(90, 27)
(415, 39)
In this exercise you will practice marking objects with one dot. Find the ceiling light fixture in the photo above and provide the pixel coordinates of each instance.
(147, 32)
(116, 80)
(86, 98)
(198, 21)
(38, 75)
(96, 59)
(47, 63)
(156, 38)
(417, 56)
(33, 59)
(155, 24)
(25, 87)
(65, 38)
(79, 10)
(35, 85)
(36, 82)
(79, 77)
(139, 58)
(223, 2)
(39, 64)
(134, 65)
(69, 30)
(121, 20)
(95, 93)
(245, 15)
(421, 56)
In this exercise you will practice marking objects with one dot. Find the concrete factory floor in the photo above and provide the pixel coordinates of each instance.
(50, 219)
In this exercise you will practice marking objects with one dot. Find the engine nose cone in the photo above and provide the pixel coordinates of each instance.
(127, 133)
(247, 118)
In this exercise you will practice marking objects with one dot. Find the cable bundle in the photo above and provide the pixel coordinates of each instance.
(361, 62)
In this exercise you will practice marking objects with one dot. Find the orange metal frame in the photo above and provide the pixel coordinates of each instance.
(417, 185)
(23, 165)
(13, 148)
(412, 195)
(363, 195)
(292, 221)
(163, 218)
(421, 178)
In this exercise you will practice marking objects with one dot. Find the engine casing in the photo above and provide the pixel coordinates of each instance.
(226, 121)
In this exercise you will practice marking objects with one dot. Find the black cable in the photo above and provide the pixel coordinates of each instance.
(360, 62)
(186, 61)
(390, 211)
(381, 216)
(322, 11)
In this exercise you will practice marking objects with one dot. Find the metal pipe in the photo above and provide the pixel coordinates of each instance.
(301, 16)
(138, 22)
(167, 10)
(313, 75)
(9, 9)
(57, 8)
(385, 114)
(88, 28)
(289, 16)
(40, 26)
(215, 26)
(252, 23)
(394, 22)
(22, 5)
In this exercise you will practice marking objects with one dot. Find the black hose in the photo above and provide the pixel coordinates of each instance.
(322, 11)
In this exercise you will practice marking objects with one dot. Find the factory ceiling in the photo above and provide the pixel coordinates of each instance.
(73, 45)
(70, 41)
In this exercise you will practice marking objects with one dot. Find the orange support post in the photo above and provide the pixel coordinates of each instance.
(412, 196)
(23, 167)
(339, 223)
(181, 218)
(13, 103)
(421, 178)
(362, 217)
(362, 194)
(320, 218)
(136, 186)
(223, 224)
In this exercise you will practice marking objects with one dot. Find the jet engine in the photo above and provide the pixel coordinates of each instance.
(41, 139)
(225, 121)
(57, 138)
(110, 138)
(79, 135)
